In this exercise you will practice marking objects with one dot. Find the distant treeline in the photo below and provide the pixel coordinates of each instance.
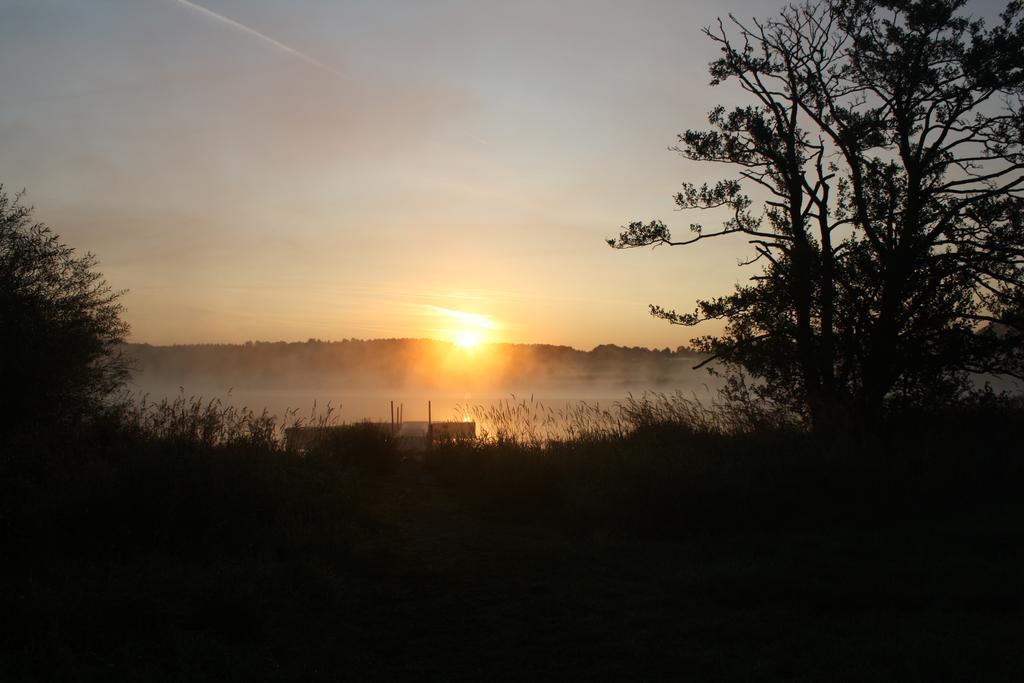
(402, 362)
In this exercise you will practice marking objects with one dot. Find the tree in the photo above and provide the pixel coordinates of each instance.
(60, 326)
(885, 138)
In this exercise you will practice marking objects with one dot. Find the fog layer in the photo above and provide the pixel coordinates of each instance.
(359, 379)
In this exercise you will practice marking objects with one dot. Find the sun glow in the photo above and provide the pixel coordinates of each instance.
(465, 330)
(468, 339)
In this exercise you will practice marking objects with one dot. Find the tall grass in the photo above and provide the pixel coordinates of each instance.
(676, 409)
(197, 422)
(668, 461)
(200, 422)
(532, 423)
(165, 530)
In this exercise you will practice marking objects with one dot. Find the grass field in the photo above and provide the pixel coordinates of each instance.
(667, 554)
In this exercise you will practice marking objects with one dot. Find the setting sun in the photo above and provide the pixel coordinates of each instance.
(468, 339)
(466, 330)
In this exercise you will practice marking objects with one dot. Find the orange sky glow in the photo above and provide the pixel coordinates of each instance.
(258, 170)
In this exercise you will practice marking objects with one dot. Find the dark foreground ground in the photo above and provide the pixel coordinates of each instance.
(202, 568)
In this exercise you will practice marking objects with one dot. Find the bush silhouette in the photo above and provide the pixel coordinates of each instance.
(60, 326)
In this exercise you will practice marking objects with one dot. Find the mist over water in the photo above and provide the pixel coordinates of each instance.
(355, 405)
(358, 380)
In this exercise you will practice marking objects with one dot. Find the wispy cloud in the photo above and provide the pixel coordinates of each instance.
(262, 36)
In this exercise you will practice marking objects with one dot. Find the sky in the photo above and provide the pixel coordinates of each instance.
(261, 170)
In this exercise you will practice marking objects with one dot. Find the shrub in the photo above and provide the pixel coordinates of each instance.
(61, 326)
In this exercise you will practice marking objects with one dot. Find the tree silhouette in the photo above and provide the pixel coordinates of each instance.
(883, 148)
(60, 326)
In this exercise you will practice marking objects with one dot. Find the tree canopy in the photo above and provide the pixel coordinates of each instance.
(60, 325)
(879, 178)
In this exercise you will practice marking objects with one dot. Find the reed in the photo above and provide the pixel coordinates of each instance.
(530, 422)
(212, 423)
